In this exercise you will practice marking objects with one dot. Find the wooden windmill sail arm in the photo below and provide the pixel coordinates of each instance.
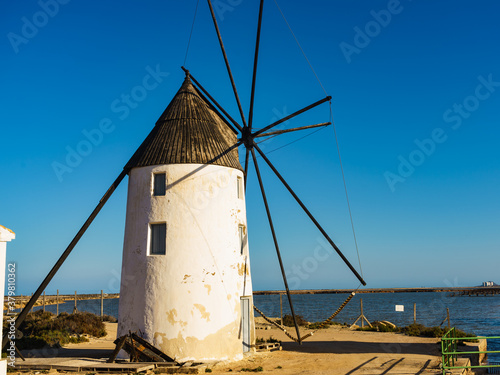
(277, 132)
(22, 315)
(268, 211)
(247, 151)
(198, 85)
(227, 64)
(255, 134)
(209, 162)
(216, 111)
(313, 219)
(255, 60)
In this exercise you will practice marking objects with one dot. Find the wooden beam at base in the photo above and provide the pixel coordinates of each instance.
(118, 347)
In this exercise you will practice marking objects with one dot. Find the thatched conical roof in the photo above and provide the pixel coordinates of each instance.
(188, 131)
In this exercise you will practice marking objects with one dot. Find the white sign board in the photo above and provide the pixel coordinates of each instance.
(400, 307)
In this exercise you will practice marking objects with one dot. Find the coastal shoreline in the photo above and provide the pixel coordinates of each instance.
(21, 301)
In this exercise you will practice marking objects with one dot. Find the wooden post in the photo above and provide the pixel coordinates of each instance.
(281, 308)
(19, 353)
(75, 310)
(102, 304)
(362, 320)
(44, 300)
(362, 317)
(414, 313)
(448, 317)
(57, 303)
(118, 347)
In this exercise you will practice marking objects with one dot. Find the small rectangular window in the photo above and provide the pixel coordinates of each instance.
(158, 240)
(239, 187)
(159, 184)
(241, 233)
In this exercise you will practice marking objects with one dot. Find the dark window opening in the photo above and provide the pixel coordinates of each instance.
(159, 184)
(158, 239)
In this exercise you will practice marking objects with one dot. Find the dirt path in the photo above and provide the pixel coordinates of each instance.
(339, 350)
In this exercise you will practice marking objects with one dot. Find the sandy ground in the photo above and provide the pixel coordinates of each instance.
(340, 350)
(335, 350)
(94, 348)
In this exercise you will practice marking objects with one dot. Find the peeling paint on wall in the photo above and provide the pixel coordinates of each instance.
(222, 344)
(241, 269)
(171, 315)
(203, 311)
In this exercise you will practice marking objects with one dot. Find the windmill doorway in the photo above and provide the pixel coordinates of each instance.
(246, 323)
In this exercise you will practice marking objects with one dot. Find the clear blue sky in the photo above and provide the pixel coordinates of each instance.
(416, 94)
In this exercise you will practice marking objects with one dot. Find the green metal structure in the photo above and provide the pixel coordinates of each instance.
(449, 351)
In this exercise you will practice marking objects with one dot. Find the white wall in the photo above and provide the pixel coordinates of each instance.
(187, 302)
(6, 235)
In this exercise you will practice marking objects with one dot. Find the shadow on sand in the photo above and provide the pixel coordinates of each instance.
(349, 347)
(67, 353)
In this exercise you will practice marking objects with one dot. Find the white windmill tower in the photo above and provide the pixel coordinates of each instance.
(186, 274)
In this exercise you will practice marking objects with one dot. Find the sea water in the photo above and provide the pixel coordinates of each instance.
(477, 315)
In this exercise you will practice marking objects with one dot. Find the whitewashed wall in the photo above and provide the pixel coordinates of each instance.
(187, 302)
